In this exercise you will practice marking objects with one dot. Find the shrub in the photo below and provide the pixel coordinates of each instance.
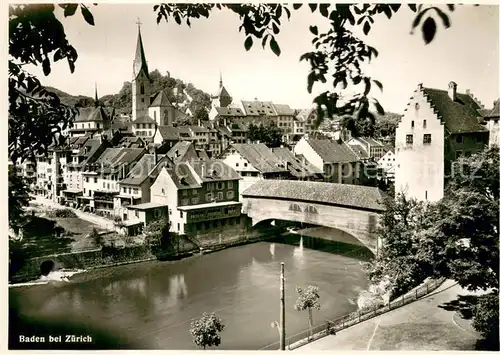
(61, 213)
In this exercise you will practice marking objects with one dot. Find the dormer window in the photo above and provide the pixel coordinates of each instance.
(417, 106)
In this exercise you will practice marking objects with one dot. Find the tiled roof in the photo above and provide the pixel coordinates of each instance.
(177, 152)
(229, 111)
(303, 115)
(143, 119)
(332, 151)
(199, 129)
(359, 151)
(238, 127)
(256, 108)
(169, 132)
(92, 114)
(495, 112)
(112, 158)
(458, 116)
(146, 167)
(260, 157)
(223, 92)
(371, 141)
(357, 196)
(284, 110)
(213, 170)
(202, 154)
(161, 99)
(146, 206)
(298, 166)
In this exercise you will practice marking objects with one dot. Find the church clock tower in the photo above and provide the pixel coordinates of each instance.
(140, 81)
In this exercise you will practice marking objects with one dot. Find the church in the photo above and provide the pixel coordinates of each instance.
(149, 110)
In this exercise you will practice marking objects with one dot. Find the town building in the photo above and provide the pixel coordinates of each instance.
(202, 196)
(437, 127)
(91, 120)
(254, 162)
(374, 149)
(336, 159)
(139, 216)
(491, 119)
(387, 165)
(101, 178)
(298, 166)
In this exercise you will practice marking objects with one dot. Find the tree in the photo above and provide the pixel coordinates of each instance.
(201, 114)
(18, 199)
(36, 116)
(205, 331)
(270, 135)
(155, 231)
(307, 300)
(337, 51)
(485, 320)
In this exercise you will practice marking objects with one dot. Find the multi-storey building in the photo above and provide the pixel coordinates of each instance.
(101, 178)
(336, 159)
(202, 196)
(491, 118)
(437, 127)
(374, 149)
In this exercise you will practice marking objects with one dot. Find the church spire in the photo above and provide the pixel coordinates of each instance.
(96, 100)
(140, 58)
(220, 80)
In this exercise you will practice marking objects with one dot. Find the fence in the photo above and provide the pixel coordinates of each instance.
(340, 323)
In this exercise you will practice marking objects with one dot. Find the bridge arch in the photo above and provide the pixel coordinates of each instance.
(47, 266)
(349, 208)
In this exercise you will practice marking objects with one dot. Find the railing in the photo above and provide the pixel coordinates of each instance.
(330, 327)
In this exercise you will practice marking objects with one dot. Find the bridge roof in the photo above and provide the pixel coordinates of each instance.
(354, 196)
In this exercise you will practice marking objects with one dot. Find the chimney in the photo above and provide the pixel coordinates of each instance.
(202, 170)
(452, 90)
(468, 92)
(420, 86)
(199, 122)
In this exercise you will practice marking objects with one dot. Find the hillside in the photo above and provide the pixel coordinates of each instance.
(188, 96)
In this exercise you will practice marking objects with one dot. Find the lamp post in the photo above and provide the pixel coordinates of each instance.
(281, 324)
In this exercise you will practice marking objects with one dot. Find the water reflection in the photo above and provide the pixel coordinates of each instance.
(155, 302)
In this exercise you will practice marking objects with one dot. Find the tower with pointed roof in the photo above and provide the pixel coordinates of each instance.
(222, 99)
(140, 80)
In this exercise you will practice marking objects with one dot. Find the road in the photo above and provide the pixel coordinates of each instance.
(421, 325)
(102, 222)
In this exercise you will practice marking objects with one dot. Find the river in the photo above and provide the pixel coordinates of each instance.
(151, 305)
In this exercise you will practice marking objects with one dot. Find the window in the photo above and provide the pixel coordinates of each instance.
(142, 100)
(220, 196)
(458, 154)
(230, 194)
(209, 186)
(417, 106)
(154, 115)
(185, 202)
(425, 123)
(195, 200)
(142, 89)
(103, 185)
(412, 124)
(184, 192)
(245, 165)
(427, 139)
(237, 164)
(108, 185)
(311, 209)
(86, 179)
(426, 194)
(137, 213)
(220, 185)
(181, 214)
(195, 192)
(95, 180)
(409, 139)
(294, 207)
(460, 139)
(124, 189)
(230, 185)
(178, 226)
(136, 191)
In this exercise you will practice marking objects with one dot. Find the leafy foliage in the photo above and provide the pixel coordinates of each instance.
(155, 231)
(270, 134)
(201, 114)
(486, 319)
(337, 52)
(308, 300)
(18, 199)
(37, 37)
(205, 331)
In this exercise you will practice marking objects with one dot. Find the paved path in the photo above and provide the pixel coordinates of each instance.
(421, 325)
(102, 222)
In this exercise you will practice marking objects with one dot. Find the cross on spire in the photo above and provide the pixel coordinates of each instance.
(139, 23)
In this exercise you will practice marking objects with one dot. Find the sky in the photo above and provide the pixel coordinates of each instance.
(467, 53)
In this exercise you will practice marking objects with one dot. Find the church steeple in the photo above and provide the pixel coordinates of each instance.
(220, 81)
(96, 99)
(140, 58)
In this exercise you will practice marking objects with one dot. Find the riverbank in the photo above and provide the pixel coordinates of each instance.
(422, 325)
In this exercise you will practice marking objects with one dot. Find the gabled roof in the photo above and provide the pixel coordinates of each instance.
(495, 112)
(332, 151)
(213, 170)
(169, 132)
(92, 114)
(112, 158)
(360, 151)
(256, 108)
(303, 115)
(459, 116)
(161, 100)
(284, 110)
(357, 196)
(145, 168)
(229, 111)
(223, 92)
(237, 127)
(372, 142)
(298, 166)
(143, 119)
(178, 152)
(260, 157)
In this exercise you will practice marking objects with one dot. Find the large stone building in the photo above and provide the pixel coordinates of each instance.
(437, 127)
(491, 118)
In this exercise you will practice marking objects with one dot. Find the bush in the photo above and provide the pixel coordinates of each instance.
(61, 213)
(96, 237)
